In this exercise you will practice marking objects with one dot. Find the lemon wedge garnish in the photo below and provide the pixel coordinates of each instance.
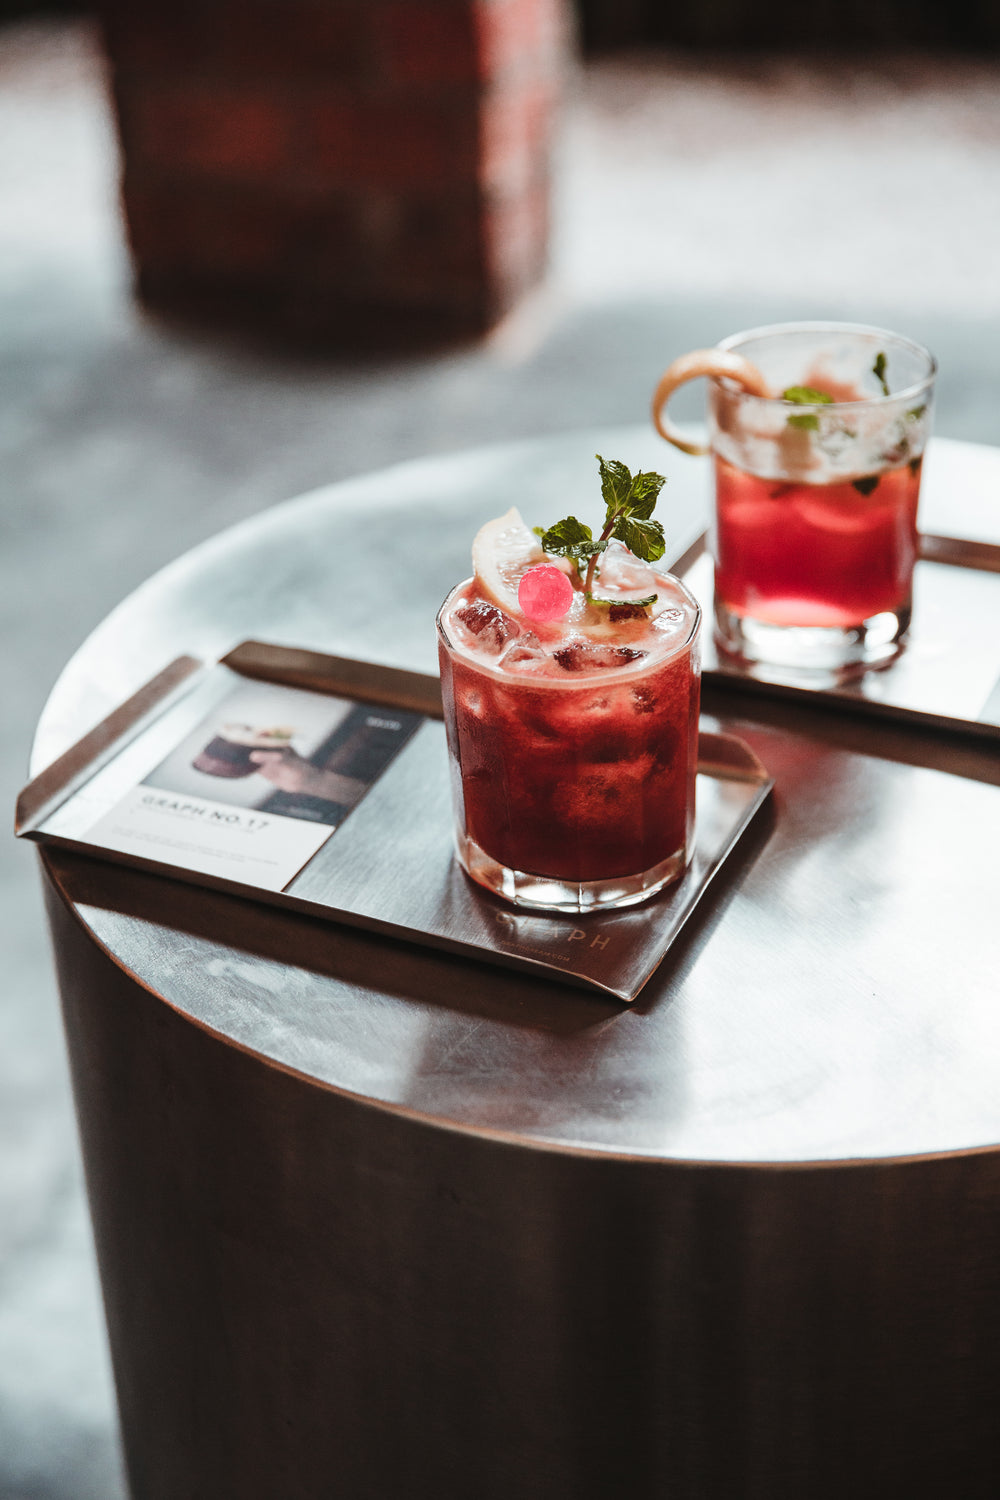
(502, 552)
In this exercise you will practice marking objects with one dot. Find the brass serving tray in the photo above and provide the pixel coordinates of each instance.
(389, 866)
(948, 675)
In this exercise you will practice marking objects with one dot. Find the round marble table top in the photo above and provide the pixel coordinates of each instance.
(837, 999)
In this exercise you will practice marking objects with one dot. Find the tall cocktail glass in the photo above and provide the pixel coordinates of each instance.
(817, 478)
(573, 759)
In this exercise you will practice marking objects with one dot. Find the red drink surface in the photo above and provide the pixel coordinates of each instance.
(576, 775)
(790, 553)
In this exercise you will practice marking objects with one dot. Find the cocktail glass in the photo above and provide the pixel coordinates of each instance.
(574, 781)
(815, 527)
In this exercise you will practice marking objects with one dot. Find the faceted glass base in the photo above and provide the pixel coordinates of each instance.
(550, 893)
(812, 654)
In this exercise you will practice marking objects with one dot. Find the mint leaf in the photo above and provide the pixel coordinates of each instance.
(616, 484)
(622, 603)
(916, 412)
(571, 538)
(878, 370)
(642, 537)
(867, 485)
(806, 395)
(644, 494)
(624, 491)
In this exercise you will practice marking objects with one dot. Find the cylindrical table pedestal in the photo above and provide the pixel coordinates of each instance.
(309, 1295)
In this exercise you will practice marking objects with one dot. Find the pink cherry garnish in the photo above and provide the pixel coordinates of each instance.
(544, 593)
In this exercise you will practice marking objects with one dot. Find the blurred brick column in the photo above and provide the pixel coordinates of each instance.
(373, 172)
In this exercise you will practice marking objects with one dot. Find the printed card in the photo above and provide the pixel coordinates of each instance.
(259, 786)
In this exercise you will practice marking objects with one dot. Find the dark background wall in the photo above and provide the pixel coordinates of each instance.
(17, 10)
(972, 26)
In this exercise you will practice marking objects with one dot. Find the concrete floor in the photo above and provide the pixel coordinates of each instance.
(695, 198)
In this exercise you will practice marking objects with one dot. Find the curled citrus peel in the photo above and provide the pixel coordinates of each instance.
(713, 363)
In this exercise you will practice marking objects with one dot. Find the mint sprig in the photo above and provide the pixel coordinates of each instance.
(630, 500)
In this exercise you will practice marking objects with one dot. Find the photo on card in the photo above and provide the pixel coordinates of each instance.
(279, 750)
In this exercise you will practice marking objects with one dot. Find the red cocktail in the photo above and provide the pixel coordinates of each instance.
(818, 432)
(573, 743)
(826, 555)
(575, 763)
